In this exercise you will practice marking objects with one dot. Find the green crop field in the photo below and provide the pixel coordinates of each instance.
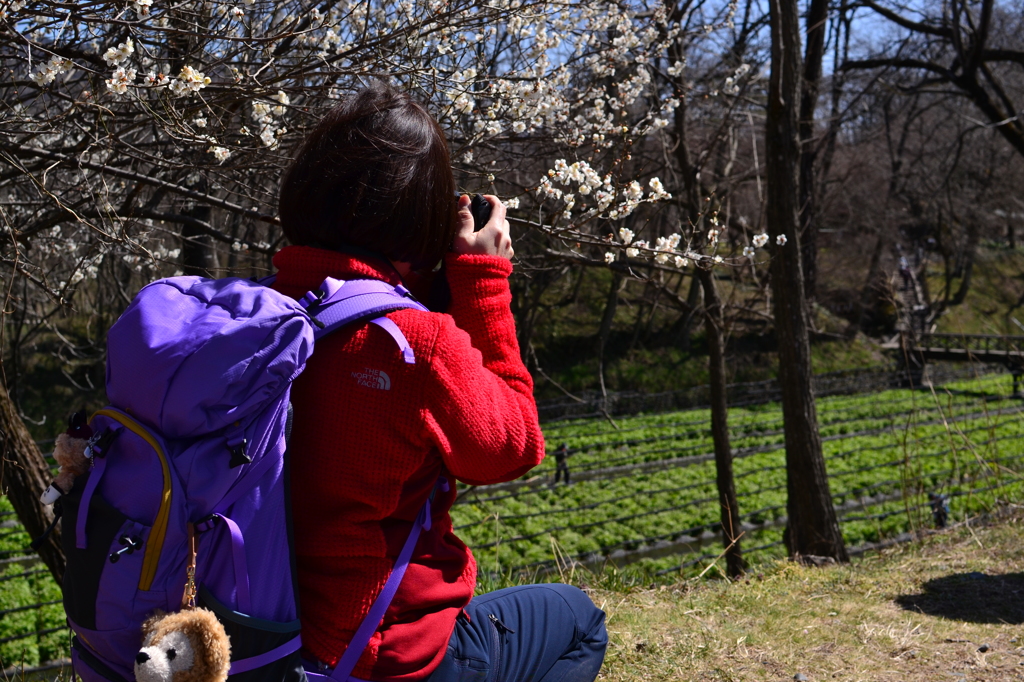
(643, 492)
(34, 634)
(647, 488)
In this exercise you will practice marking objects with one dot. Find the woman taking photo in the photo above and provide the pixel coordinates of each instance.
(370, 195)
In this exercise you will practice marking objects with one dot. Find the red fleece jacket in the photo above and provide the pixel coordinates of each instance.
(364, 458)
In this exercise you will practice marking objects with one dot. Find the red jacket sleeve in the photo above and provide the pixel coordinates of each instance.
(481, 413)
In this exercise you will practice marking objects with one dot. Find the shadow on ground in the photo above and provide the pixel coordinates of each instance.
(971, 597)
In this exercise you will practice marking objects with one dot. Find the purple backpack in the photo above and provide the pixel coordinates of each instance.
(194, 445)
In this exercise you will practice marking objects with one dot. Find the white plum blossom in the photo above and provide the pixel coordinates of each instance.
(11, 7)
(604, 199)
(189, 81)
(281, 97)
(120, 80)
(262, 112)
(658, 190)
(575, 86)
(633, 191)
(116, 55)
(731, 85)
(748, 251)
(464, 103)
(635, 249)
(760, 240)
(781, 240)
(51, 69)
(545, 190)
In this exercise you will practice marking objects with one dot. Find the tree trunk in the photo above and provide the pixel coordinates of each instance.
(713, 325)
(24, 476)
(606, 326)
(812, 528)
(729, 507)
(685, 323)
(967, 264)
(817, 15)
(197, 254)
(871, 282)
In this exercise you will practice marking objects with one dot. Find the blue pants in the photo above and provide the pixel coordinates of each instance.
(532, 633)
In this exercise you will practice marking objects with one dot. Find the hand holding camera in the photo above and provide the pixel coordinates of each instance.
(489, 238)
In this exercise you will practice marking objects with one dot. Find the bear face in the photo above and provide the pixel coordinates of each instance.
(162, 660)
(188, 646)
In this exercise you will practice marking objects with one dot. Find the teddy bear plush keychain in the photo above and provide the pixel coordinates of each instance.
(188, 646)
(73, 453)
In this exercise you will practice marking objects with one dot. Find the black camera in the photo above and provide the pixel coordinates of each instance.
(481, 210)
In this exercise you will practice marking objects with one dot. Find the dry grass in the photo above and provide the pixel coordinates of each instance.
(948, 608)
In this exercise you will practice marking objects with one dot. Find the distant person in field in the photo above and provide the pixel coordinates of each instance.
(561, 465)
(940, 509)
(905, 272)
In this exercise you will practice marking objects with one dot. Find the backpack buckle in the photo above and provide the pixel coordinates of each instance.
(312, 299)
(97, 445)
(311, 304)
(238, 455)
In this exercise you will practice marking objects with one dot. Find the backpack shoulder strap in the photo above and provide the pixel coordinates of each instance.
(338, 303)
(346, 664)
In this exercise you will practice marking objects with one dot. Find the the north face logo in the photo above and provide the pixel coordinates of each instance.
(373, 378)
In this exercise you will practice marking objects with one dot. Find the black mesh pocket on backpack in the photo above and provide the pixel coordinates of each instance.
(251, 637)
(81, 585)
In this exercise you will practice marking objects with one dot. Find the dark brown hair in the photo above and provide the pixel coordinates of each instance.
(374, 174)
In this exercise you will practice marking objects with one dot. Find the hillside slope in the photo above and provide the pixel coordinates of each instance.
(947, 608)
